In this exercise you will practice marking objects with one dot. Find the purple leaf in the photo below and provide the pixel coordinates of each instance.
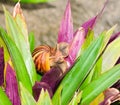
(12, 86)
(38, 87)
(113, 37)
(75, 46)
(1, 66)
(117, 85)
(111, 95)
(66, 29)
(49, 81)
(91, 23)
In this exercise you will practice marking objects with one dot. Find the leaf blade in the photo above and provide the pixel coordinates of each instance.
(21, 71)
(15, 32)
(100, 84)
(71, 82)
(4, 100)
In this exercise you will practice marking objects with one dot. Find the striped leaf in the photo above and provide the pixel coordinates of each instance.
(80, 70)
(17, 60)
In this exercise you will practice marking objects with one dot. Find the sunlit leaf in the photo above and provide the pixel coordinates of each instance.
(17, 60)
(80, 70)
(98, 99)
(15, 33)
(100, 84)
(107, 36)
(6, 53)
(111, 55)
(89, 38)
(4, 100)
(20, 20)
(26, 97)
(44, 98)
(76, 99)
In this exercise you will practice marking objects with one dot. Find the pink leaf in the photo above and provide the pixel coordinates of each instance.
(49, 82)
(66, 29)
(75, 46)
(12, 86)
(91, 22)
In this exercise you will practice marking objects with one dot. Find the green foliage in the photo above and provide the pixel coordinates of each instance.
(100, 84)
(26, 97)
(57, 100)
(33, 1)
(80, 70)
(44, 98)
(76, 99)
(4, 100)
(32, 41)
(17, 60)
(111, 55)
(6, 53)
(15, 31)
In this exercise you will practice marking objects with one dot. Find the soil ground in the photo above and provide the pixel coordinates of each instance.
(44, 19)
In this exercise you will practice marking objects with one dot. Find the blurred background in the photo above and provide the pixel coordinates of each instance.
(44, 18)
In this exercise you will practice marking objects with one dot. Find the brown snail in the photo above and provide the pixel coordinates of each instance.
(46, 57)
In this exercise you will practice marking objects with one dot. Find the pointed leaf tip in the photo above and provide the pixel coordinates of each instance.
(91, 23)
(1, 66)
(12, 86)
(76, 45)
(66, 28)
(17, 10)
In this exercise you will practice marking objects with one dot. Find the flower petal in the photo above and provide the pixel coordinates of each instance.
(91, 23)
(1, 66)
(12, 86)
(66, 29)
(75, 46)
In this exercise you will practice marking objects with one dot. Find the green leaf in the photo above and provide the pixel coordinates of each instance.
(90, 37)
(14, 31)
(6, 53)
(98, 68)
(4, 100)
(17, 60)
(33, 1)
(57, 99)
(80, 70)
(19, 19)
(111, 55)
(107, 36)
(26, 97)
(76, 99)
(32, 41)
(44, 98)
(100, 84)
(94, 73)
(87, 80)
